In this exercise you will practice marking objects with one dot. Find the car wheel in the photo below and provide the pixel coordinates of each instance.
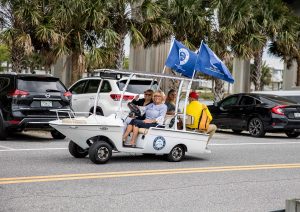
(57, 135)
(76, 151)
(292, 134)
(176, 154)
(237, 131)
(256, 127)
(3, 133)
(100, 152)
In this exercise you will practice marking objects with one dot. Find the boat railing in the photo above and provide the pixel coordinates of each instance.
(70, 114)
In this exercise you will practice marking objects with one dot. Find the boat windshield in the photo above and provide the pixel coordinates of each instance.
(137, 86)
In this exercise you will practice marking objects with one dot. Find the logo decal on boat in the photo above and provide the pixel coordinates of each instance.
(159, 143)
(184, 56)
(103, 128)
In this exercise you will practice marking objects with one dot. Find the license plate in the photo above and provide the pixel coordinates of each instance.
(297, 115)
(46, 104)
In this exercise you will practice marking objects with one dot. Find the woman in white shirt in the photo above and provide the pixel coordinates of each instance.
(155, 114)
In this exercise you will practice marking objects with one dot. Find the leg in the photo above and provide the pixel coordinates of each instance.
(211, 131)
(127, 132)
(134, 135)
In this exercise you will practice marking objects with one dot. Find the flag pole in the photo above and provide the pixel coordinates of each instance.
(186, 99)
(188, 91)
(164, 69)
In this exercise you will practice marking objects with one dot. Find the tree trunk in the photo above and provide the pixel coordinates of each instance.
(17, 56)
(256, 74)
(218, 90)
(120, 52)
(298, 71)
(78, 66)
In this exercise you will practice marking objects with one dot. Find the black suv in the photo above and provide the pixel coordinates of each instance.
(26, 101)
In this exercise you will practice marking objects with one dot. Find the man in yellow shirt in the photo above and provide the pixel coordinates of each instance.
(196, 110)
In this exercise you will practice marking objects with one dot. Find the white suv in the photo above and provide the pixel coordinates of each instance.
(84, 93)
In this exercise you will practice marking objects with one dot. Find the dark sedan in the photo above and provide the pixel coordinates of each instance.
(258, 114)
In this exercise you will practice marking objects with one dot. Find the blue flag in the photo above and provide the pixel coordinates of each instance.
(181, 59)
(209, 63)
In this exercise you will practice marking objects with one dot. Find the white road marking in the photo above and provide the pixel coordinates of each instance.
(259, 143)
(40, 149)
(6, 148)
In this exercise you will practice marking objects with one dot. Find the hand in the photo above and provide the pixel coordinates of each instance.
(148, 121)
(137, 97)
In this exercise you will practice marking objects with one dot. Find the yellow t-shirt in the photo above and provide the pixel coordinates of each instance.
(195, 109)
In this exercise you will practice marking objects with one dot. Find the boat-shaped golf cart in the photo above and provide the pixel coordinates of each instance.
(100, 136)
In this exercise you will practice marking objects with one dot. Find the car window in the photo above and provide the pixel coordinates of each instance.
(93, 85)
(229, 101)
(293, 98)
(247, 100)
(272, 99)
(137, 86)
(78, 88)
(41, 85)
(4, 84)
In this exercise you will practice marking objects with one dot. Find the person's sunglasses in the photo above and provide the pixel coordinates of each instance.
(157, 96)
(147, 94)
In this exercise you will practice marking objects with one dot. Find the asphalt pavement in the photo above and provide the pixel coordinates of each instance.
(242, 173)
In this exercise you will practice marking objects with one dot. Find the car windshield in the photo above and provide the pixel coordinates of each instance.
(40, 84)
(271, 99)
(137, 86)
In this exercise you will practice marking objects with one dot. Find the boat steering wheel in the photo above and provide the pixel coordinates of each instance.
(134, 109)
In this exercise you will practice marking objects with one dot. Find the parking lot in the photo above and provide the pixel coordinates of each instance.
(241, 174)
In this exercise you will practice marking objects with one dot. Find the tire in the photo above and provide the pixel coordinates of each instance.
(76, 151)
(176, 154)
(57, 135)
(237, 131)
(256, 127)
(100, 152)
(292, 134)
(3, 133)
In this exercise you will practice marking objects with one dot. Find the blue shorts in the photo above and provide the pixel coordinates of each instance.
(141, 124)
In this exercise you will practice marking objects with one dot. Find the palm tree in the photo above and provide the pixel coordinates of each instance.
(269, 18)
(81, 26)
(227, 37)
(16, 28)
(286, 45)
(193, 21)
(142, 20)
(266, 75)
(230, 19)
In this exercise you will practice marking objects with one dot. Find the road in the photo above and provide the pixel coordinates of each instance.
(242, 174)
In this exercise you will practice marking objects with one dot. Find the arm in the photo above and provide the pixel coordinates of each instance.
(207, 112)
(162, 114)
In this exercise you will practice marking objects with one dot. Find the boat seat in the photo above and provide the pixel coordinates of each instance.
(73, 121)
(143, 131)
(168, 120)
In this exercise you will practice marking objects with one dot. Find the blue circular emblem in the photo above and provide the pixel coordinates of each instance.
(183, 56)
(159, 143)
